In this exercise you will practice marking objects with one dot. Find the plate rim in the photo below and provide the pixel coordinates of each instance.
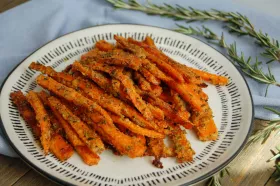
(63, 182)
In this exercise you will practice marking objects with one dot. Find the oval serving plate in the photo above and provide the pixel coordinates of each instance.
(231, 105)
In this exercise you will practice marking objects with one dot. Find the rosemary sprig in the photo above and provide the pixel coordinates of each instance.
(236, 22)
(252, 70)
(216, 179)
(264, 133)
(276, 174)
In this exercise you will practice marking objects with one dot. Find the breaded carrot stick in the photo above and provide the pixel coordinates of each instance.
(94, 53)
(206, 129)
(104, 45)
(124, 60)
(211, 78)
(180, 106)
(156, 147)
(149, 41)
(149, 76)
(50, 71)
(142, 82)
(26, 111)
(42, 118)
(86, 154)
(180, 117)
(158, 113)
(129, 88)
(168, 152)
(57, 128)
(183, 150)
(71, 95)
(156, 90)
(153, 69)
(187, 94)
(60, 148)
(86, 134)
(135, 128)
(165, 67)
(138, 51)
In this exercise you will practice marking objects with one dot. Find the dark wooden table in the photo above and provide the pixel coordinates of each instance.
(249, 167)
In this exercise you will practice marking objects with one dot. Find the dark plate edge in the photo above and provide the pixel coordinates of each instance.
(62, 182)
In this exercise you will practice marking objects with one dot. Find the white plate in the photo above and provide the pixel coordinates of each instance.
(231, 105)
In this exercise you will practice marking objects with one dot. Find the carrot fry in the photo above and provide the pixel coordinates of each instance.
(156, 90)
(86, 134)
(123, 43)
(57, 128)
(168, 152)
(180, 106)
(180, 117)
(149, 76)
(42, 118)
(135, 128)
(168, 69)
(50, 71)
(142, 82)
(156, 147)
(153, 69)
(158, 113)
(60, 148)
(71, 95)
(149, 41)
(187, 94)
(92, 54)
(124, 61)
(104, 46)
(183, 150)
(89, 157)
(206, 129)
(26, 111)
(211, 78)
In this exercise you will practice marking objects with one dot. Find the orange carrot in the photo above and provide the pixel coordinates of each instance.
(42, 118)
(26, 111)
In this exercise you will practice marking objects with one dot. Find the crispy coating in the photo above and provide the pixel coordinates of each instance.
(26, 111)
(85, 133)
(42, 118)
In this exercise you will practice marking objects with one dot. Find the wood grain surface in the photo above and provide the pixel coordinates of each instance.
(250, 167)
